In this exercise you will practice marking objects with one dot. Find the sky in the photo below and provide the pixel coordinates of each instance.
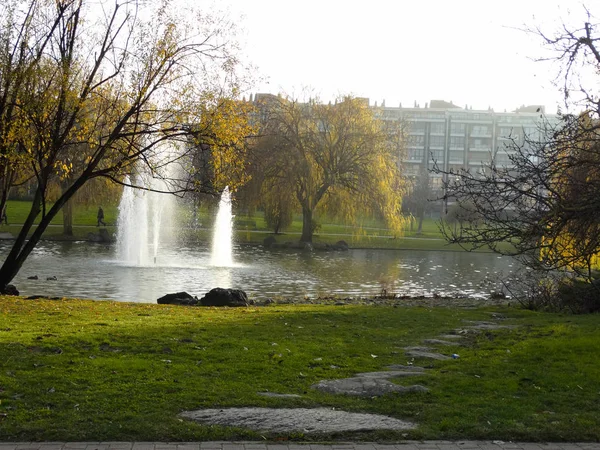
(470, 52)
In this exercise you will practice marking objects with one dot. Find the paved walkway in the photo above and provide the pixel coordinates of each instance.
(405, 445)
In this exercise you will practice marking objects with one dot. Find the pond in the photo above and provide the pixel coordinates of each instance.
(92, 271)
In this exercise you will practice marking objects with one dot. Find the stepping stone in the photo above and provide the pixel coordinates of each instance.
(401, 367)
(490, 326)
(276, 395)
(290, 420)
(464, 331)
(364, 387)
(439, 342)
(418, 349)
(391, 374)
(451, 336)
(429, 355)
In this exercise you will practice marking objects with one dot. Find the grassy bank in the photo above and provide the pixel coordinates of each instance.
(248, 230)
(83, 370)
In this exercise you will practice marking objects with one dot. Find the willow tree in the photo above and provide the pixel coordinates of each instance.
(340, 155)
(109, 88)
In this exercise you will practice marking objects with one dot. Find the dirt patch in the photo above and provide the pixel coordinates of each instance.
(289, 420)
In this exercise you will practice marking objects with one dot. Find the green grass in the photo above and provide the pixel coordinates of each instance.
(18, 210)
(250, 230)
(82, 370)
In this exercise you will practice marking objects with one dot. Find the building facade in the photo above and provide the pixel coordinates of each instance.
(455, 138)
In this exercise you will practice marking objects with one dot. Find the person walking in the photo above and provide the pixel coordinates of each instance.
(100, 217)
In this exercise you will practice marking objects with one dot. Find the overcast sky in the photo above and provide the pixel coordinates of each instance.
(466, 51)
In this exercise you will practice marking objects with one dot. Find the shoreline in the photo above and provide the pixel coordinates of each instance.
(61, 238)
(394, 302)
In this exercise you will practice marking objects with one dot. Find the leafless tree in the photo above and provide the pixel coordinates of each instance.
(544, 206)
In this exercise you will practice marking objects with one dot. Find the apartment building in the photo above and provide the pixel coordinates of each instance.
(453, 138)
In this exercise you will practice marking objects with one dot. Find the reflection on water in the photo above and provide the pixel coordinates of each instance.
(92, 271)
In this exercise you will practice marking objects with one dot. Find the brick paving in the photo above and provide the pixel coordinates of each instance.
(218, 445)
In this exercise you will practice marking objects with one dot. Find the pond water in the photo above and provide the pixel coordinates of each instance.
(92, 271)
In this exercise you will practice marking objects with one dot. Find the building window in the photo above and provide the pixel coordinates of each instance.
(436, 155)
(480, 130)
(457, 142)
(416, 140)
(436, 141)
(457, 156)
(457, 128)
(415, 154)
(417, 127)
(438, 128)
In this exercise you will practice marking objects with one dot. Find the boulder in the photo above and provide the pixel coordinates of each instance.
(338, 246)
(93, 237)
(225, 297)
(10, 289)
(103, 236)
(178, 298)
(341, 245)
(269, 241)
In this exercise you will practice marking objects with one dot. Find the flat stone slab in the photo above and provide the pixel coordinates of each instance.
(276, 395)
(402, 367)
(364, 387)
(451, 336)
(289, 420)
(390, 374)
(418, 349)
(428, 355)
(439, 342)
(490, 326)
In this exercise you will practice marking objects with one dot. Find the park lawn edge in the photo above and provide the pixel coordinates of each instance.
(255, 238)
(81, 370)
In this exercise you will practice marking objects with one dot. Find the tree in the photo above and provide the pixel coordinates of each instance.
(93, 80)
(21, 50)
(417, 200)
(546, 203)
(278, 204)
(338, 154)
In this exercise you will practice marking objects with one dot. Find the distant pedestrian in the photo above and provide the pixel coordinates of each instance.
(100, 217)
(4, 217)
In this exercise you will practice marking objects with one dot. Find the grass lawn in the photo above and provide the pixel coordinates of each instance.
(82, 370)
(249, 230)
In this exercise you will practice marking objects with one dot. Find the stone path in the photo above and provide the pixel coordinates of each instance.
(405, 445)
(317, 419)
(289, 420)
(325, 420)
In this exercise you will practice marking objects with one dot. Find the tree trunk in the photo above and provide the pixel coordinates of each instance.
(421, 217)
(68, 219)
(307, 229)
(23, 246)
(17, 255)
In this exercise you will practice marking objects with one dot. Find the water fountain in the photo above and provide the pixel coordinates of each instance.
(141, 215)
(143, 229)
(222, 254)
